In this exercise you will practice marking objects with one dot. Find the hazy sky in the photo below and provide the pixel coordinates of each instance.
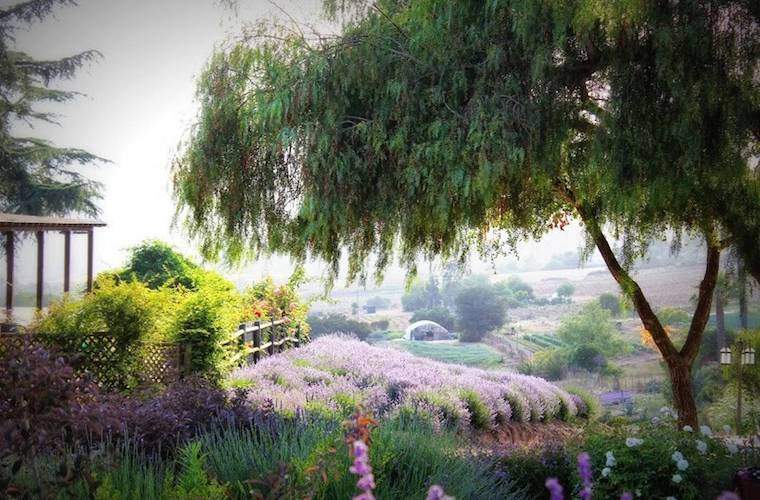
(139, 102)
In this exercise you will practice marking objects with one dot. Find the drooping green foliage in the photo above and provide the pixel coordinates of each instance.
(436, 121)
(37, 177)
(432, 127)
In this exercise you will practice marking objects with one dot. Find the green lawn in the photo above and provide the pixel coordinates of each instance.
(464, 353)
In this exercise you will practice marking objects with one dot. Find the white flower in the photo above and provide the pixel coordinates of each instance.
(732, 448)
(606, 471)
(611, 462)
(701, 447)
(676, 478)
(677, 456)
(727, 429)
(664, 409)
(655, 420)
(688, 428)
(705, 430)
(633, 442)
(671, 498)
(638, 492)
(682, 464)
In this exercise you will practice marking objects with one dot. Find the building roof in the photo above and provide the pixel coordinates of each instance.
(19, 222)
(424, 323)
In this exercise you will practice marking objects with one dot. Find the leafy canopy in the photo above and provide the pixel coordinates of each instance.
(427, 125)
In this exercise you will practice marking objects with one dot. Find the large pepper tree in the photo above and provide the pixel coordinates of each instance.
(428, 128)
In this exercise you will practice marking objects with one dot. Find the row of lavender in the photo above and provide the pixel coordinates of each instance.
(336, 372)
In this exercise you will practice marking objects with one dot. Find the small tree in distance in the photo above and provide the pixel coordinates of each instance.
(479, 311)
(565, 291)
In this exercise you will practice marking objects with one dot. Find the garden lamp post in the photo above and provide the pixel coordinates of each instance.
(745, 356)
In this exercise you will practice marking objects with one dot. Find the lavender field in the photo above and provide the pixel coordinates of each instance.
(338, 372)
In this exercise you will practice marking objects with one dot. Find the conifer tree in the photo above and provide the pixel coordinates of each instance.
(37, 177)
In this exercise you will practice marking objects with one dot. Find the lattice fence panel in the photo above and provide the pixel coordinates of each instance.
(108, 363)
(159, 363)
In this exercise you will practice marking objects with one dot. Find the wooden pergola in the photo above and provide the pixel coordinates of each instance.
(10, 224)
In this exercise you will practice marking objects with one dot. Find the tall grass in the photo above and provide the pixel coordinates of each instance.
(297, 458)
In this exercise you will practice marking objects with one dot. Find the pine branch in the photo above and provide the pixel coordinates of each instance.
(31, 10)
(59, 69)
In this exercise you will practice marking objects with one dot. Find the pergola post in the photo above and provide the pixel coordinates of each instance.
(66, 261)
(40, 267)
(9, 271)
(90, 249)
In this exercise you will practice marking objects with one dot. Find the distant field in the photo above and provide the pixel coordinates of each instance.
(471, 354)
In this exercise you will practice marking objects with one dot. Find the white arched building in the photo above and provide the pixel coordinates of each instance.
(427, 330)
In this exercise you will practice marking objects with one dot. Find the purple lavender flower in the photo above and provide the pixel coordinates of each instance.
(626, 496)
(584, 471)
(334, 368)
(361, 468)
(728, 495)
(555, 489)
(436, 493)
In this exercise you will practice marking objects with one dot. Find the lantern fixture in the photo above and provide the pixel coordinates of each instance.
(725, 356)
(748, 356)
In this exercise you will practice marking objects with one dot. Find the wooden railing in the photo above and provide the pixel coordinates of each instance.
(260, 338)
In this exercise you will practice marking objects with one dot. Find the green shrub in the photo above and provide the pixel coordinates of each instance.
(592, 327)
(610, 302)
(337, 323)
(529, 467)
(157, 264)
(380, 325)
(649, 467)
(128, 311)
(565, 291)
(480, 417)
(587, 357)
(551, 364)
(265, 300)
(206, 320)
(593, 408)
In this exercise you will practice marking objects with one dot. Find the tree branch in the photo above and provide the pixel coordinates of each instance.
(702, 312)
(628, 284)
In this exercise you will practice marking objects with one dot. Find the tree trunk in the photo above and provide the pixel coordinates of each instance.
(679, 361)
(741, 285)
(720, 321)
(683, 393)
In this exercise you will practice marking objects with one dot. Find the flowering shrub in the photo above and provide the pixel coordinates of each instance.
(660, 462)
(338, 372)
